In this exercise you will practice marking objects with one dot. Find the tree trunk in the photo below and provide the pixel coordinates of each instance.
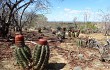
(19, 29)
(4, 30)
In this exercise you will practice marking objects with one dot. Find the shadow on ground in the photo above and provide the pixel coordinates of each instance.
(55, 66)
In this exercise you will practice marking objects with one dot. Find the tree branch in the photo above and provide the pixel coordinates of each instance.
(23, 12)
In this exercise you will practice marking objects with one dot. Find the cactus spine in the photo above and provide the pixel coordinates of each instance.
(41, 55)
(22, 52)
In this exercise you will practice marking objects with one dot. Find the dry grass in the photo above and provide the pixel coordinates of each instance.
(98, 36)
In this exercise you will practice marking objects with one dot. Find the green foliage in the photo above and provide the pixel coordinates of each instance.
(58, 28)
(90, 25)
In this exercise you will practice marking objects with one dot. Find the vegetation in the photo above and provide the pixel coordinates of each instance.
(88, 27)
(71, 43)
(36, 61)
(12, 13)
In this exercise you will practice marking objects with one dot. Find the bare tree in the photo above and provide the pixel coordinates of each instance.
(31, 19)
(86, 17)
(75, 23)
(12, 11)
(106, 20)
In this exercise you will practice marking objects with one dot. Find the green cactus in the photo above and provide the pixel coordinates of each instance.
(84, 43)
(23, 56)
(73, 34)
(69, 33)
(79, 43)
(77, 33)
(40, 57)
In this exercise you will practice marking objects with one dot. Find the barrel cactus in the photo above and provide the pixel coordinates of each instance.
(69, 33)
(63, 32)
(79, 43)
(82, 43)
(73, 33)
(41, 55)
(77, 33)
(23, 55)
(22, 52)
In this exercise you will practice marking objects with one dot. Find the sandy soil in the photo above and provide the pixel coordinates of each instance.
(99, 36)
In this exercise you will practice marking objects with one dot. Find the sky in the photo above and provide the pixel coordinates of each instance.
(68, 10)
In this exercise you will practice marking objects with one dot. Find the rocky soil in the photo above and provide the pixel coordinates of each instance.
(63, 56)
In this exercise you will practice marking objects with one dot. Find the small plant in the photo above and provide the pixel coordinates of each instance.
(82, 42)
(73, 34)
(39, 30)
(79, 42)
(63, 32)
(69, 33)
(58, 28)
(77, 33)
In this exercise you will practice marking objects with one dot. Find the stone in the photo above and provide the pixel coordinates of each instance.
(80, 56)
(77, 68)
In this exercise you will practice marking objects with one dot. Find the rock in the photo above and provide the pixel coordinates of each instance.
(107, 58)
(77, 68)
(87, 68)
(80, 56)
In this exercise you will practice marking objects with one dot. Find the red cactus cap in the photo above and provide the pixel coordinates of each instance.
(42, 42)
(19, 38)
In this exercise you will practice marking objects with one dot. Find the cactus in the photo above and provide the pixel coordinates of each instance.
(79, 42)
(22, 52)
(39, 30)
(84, 43)
(41, 55)
(69, 33)
(63, 34)
(77, 33)
(91, 43)
(73, 34)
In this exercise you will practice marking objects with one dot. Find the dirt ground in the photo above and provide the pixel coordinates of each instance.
(67, 56)
(99, 36)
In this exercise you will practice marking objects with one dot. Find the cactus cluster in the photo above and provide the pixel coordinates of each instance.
(37, 61)
(88, 42)
(74, 33)
(82, 43)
